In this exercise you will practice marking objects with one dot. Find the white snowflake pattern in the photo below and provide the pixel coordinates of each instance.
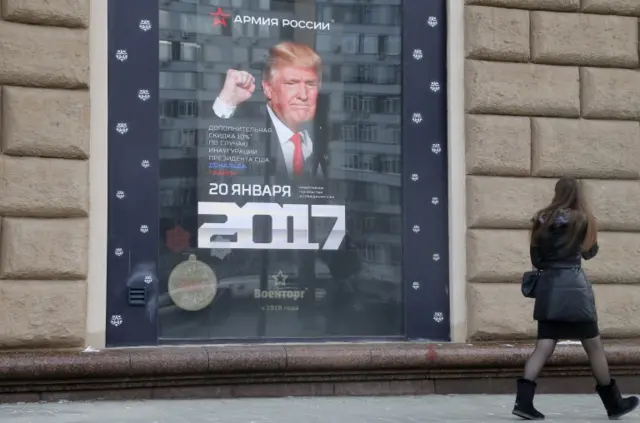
(435, 86)
(144, 229)
(416, 118)
(144, 95)
(417, 54)
(415, 285)
(116, 320)
(119, 252)
(432, 21)
(438, 316)
(148, 279)
(414, 177)
(416, 228)
(122, 55)
(434, 200)
(145, 164)
(436, 148)
(120, 195)
(122, 128)
(436, 257)
(145, 25)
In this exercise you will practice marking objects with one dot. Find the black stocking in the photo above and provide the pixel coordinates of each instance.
(537, 359)
(598, 360)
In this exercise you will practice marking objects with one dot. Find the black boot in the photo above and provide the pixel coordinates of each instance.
(524, 401)
(615, 405)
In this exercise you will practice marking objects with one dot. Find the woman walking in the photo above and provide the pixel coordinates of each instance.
(563, 234)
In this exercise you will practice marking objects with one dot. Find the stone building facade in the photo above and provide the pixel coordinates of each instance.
(537, 89)
(552, 89)
(44, 173)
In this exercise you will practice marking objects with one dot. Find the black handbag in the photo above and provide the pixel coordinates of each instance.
(529, 281)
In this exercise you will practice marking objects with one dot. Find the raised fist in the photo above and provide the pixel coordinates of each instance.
(238, 87)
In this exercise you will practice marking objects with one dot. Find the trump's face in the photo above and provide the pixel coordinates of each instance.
(292, 94)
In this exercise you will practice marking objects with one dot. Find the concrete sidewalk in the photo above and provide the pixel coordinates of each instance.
(434, 408)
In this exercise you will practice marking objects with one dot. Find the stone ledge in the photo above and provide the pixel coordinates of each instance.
(558, 148)
(521, 89)
(610, 93)
(63, 122)
(279, 370)
(41, 56)
(494, 33)
(584, 39)
(43, 187)
(39, 314)
(489, 303)
(498, 145)
(612, 7)
(69, 13)
(554, 5)
(60, 244)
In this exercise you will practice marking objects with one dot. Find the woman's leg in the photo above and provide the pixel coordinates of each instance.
(613, 401)
(527, 386)
(597, 359)
(544, 349)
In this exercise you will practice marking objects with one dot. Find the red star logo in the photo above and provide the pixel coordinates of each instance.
(178, 239)
(219, 17)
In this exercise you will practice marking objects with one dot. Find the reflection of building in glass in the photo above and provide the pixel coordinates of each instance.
(362, 63)
(194, 60)
(362, 75)
(361, 94)
(361, 79)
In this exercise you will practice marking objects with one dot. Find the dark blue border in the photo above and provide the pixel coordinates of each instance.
(133, 172)
(425, 177)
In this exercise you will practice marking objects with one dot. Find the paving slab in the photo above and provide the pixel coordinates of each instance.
(407, 409)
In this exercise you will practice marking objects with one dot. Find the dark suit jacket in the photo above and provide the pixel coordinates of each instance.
(319, 131)
(315, 166)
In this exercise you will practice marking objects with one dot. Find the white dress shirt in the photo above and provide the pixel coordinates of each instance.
(222, 109)
(225, 111)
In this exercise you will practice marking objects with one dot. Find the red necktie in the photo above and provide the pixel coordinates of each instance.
(298, 158)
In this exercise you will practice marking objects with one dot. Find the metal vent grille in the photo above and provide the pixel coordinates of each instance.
(137, 296)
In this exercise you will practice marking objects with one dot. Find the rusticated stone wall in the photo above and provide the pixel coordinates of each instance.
(552, 88)
(44, 179)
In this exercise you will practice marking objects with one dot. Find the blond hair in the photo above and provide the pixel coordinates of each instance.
(292, 54)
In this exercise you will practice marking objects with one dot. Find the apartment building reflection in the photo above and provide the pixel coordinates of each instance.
(361, 86)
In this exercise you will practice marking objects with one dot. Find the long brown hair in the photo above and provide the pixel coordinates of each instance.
(569, 198)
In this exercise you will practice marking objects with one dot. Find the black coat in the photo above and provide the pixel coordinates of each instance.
(563, 292)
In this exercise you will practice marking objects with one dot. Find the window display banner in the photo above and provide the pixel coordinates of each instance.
(277, 171)
(275, 166)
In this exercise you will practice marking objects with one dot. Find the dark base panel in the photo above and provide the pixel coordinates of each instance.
(313, 370)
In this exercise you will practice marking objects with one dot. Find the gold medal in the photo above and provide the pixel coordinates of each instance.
(192, 284)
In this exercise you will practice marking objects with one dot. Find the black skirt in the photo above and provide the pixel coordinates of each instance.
(548, 329)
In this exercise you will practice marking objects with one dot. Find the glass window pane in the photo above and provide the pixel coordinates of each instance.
(324, 43)
(240, 55)
(189, 52)
(165, 50)
(280, 187)
(393, 44)
(212, 53)
(350, 44)
(370, 44)
(164, 19)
